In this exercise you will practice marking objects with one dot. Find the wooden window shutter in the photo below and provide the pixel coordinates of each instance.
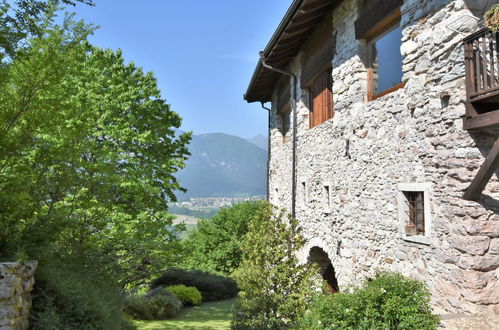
(321, 98)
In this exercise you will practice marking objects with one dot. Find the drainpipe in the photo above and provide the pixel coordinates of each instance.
(293, 107)
(268, 153)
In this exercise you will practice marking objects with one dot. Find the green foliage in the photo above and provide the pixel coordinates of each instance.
(25, 18)
(389, 301)
(216, 243)
(212, 287)
(160, 306)
(88, 154)
(275, 289)
(68, 296)
(88, 148)
(491, 18)
(188, 295)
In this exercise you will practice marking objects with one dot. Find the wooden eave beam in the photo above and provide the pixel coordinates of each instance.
(484, 174)
(305, 22)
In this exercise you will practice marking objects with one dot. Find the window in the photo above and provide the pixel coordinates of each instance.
(414, 212)
(321, 98)
(304, 193)
(326, 198)
(379, 26)
(385, 62)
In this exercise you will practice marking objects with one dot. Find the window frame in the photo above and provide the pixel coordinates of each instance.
(385, 26)
(424, 188)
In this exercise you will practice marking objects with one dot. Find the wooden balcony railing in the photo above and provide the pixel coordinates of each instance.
(481, 51)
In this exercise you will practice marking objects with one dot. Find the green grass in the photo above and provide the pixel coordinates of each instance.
(210, 315)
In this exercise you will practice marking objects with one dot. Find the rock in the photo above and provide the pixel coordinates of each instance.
(16, 282)
(474, 245)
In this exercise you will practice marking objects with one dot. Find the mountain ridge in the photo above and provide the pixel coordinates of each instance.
(223, 165)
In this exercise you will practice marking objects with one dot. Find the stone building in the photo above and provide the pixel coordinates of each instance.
(384, 146)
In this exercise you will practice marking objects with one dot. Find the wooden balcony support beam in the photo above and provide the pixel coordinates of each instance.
(483, 120)
(484, 174)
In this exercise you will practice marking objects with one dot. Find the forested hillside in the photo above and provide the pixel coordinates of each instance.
(223, 165)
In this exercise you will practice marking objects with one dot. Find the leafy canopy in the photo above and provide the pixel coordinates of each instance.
(215, 245)
(88, 154)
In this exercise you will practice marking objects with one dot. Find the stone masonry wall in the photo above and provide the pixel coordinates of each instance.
(16, 283)
(411, 136)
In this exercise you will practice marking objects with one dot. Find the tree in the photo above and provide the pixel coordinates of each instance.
(215, 245)
(88, 154)
(88, 150)
(275, 288)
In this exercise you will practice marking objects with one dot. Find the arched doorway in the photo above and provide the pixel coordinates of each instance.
(326, 269)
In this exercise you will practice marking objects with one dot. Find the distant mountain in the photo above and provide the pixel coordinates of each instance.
(260, 141)
(223, 165)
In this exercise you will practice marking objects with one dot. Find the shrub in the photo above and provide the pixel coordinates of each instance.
(389, 301)
(212, 287)
(275, 289)
(491, 18)
(68, 296)
(160, 306)
(188, 295)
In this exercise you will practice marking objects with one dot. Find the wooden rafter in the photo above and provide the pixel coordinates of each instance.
(484, 174)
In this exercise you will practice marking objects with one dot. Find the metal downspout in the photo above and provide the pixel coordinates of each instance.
(293, 107)
(268, 153)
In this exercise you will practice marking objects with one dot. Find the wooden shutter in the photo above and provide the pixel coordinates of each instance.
(321, 99)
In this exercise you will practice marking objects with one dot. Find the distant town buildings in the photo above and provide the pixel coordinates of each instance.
(215, 202)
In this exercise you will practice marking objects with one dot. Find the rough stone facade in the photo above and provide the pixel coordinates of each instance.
(411, 136)
(16, 283)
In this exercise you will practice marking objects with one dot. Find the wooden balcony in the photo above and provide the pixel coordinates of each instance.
(481, 52)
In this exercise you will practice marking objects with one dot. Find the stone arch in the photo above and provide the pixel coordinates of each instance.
(320, 258)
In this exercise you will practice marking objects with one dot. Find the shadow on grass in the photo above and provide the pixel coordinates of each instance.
(212, 315)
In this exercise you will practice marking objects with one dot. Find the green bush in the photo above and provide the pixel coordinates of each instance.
(212, 287)
(159, 306)
(188, 295)
(389, 301)
(68, 296)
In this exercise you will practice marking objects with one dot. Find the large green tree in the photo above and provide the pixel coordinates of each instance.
(88, 153)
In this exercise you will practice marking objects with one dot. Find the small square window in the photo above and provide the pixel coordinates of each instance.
(414, 212)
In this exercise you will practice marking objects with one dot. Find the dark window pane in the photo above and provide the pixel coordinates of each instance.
(387, 61)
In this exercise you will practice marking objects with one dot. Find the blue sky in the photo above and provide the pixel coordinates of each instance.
(203, 53)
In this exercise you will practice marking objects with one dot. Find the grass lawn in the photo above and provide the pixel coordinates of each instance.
(209, 315)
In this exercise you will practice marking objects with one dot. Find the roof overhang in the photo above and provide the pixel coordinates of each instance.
(296, 26)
